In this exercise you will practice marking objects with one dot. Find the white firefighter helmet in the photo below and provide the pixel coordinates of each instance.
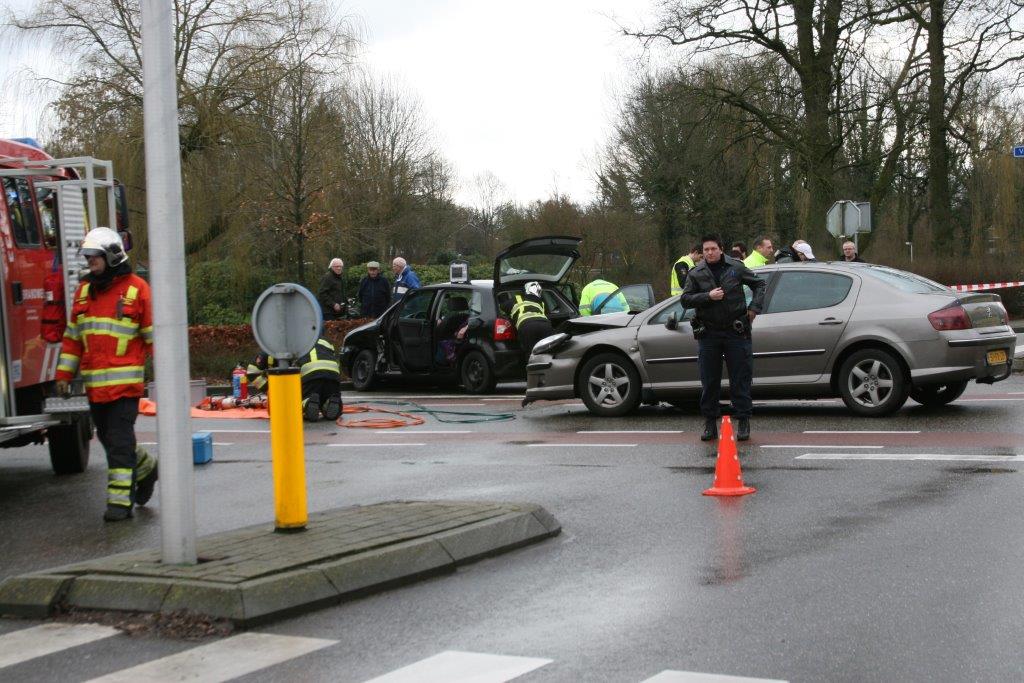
(104, 242)
(532, 288)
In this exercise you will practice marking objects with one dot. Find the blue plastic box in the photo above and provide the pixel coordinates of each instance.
(202, 448)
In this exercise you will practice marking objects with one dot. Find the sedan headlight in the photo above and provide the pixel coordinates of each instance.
(550, 344)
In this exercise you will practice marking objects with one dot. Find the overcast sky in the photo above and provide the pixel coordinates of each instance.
(524, 90)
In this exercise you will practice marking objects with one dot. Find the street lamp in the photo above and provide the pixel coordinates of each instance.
(911, 245)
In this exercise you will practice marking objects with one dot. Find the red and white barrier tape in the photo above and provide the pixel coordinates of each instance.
(987, 285)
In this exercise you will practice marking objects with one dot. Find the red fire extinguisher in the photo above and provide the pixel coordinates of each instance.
(239, 383)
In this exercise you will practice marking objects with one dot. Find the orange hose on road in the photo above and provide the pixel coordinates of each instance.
(378, 422)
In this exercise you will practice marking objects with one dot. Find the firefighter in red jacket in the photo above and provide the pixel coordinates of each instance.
(106, 340)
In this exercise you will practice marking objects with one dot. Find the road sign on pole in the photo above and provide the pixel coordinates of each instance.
(847, 217)
(167, 272)
(1018, 151)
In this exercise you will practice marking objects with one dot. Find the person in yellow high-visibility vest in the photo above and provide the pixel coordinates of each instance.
(595, 293)
(681, 267)
(530, 318)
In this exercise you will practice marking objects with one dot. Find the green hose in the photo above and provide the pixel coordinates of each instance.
(439, 415)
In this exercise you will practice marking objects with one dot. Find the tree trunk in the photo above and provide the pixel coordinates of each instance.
(940, 208)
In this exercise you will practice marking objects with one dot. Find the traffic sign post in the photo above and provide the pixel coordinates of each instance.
(848, 218)
(286, 322)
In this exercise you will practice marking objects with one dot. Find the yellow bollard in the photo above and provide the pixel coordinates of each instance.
(286, 449)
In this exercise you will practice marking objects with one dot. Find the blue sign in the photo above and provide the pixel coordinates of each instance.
(1018, 151)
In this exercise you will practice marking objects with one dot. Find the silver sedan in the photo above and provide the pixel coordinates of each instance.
(870, 334)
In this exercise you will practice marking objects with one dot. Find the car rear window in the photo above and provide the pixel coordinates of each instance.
(904, 281)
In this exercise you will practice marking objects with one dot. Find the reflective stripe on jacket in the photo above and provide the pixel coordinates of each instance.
(674, 285)
(321, 362)
(596, 292)
(525, 309)
(108, 337)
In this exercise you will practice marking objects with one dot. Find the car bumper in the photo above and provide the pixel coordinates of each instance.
(964, 359)
(549, 378)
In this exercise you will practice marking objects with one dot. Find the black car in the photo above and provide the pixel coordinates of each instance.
(459, 331)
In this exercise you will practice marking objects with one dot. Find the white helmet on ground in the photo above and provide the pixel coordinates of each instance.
(104, 242)
(532, 288)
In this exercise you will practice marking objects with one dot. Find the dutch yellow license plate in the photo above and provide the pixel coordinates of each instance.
(996, 357)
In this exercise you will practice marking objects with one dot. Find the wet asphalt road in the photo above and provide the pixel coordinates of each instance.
(836, 569)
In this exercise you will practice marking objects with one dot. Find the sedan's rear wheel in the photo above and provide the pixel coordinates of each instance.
(610, 385)
(937, 395)
(872, 384)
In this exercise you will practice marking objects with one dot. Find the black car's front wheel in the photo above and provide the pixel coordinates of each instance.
(610, 385)
(872, 383)
(362, 370)
(937, 395)
(476, 373)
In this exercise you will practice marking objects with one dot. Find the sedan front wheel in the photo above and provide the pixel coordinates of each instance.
(610, 385)
(872, 383)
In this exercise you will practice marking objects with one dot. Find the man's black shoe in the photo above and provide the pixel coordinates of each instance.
(117, 513)
(743, 429)
(710, 430)
(311, 410)
(144, 487)
(332, 408)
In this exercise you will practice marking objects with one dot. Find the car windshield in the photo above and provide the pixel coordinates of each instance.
(549, 267)
(907, 282)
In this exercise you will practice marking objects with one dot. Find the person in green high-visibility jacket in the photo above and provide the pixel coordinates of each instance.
(321, 382)
(681, 267)
(595, 293)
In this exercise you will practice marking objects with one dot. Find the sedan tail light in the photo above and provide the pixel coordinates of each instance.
(504, 330)
(952, 317)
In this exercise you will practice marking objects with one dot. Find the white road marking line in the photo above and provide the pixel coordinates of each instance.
(157, 443)
(425, 431)
(631, 431)
(370, 445)
(862, 431)
(39, 641)
(811, 445)
(697, 677)
(222, 660)
(238, 431)
(979, 400)
(386, 397)
(581, 445)
(438, 405)
(507, 398)
(911, 456)
(463, 667)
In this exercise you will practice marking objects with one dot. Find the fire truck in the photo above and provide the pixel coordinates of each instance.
(48, 205)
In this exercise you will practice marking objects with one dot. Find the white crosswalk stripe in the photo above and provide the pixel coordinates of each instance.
(39, 641)
(463, 667)
(697, 677)
(222, 660)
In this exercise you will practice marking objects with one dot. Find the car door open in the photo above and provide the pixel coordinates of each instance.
(414, 328)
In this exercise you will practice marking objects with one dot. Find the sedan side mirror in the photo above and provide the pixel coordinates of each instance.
(671, 323)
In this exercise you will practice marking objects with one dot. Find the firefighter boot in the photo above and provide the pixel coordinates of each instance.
(146, 474)
(117, 513)
(311, 408)
(710, 429)
(332, 408)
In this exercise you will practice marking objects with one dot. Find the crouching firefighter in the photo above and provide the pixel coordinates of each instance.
(106, 341)
(321, 382)
(530, 319)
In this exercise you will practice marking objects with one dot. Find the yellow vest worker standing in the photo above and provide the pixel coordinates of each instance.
(681, 267)
(596, 292)
(763, 249)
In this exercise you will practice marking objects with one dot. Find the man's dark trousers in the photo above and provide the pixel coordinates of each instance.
(737, 351)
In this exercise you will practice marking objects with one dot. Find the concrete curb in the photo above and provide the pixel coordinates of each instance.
(343, 554)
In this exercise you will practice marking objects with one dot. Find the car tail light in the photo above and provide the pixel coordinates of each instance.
(952, 317)
(504, 330)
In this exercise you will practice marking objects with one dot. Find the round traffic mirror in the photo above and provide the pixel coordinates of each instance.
(286, 321)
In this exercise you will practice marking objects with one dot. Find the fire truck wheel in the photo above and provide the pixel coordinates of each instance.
(69, 446)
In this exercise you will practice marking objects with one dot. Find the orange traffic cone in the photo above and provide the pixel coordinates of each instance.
(728, 476)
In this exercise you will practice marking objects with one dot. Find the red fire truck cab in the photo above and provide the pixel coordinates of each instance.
(48, 205)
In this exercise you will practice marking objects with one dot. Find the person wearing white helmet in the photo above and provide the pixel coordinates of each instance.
(107, 339)
(530, 318)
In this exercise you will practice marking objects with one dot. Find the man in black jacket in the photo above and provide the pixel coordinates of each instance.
(374, 292)
(332, 291)
(714, 287)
